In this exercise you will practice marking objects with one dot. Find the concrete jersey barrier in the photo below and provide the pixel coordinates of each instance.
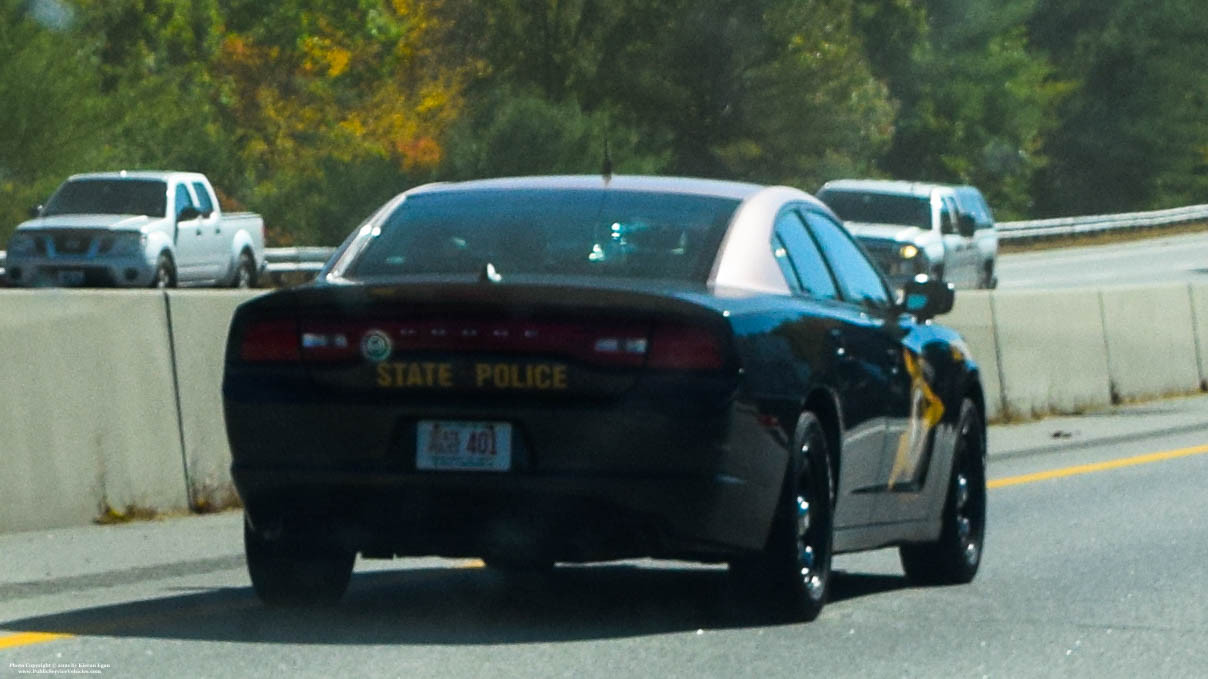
(89, 423)
(199, 320)
(112, 401)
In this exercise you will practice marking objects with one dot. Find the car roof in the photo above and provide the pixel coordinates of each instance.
(681, 185)
(893, 186)
(159, 175)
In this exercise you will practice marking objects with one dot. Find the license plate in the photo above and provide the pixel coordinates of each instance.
(71, 278)
(463, 446)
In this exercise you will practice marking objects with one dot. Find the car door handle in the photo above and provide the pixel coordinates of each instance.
(199, 231)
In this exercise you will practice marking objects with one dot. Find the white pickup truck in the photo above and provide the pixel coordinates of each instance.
(910, 228)
(136, 229)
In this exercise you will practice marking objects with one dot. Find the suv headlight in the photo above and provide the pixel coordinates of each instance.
(22, 244)
(908, 251)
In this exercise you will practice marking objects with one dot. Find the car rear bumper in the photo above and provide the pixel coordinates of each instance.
(585, 483)
(554, 517)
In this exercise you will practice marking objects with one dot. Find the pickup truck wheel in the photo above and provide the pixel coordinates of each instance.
(290, 573)
(989, 281)
(245, 272)
(165, 273)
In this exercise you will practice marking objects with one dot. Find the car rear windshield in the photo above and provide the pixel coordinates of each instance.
(879, 208)
(109, 197)
(623, 234)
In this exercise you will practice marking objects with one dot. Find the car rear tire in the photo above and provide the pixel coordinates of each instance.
(793, 572)
(165, 273)
(289, 573)
(954, 558)
(245, 273)
(989, 281)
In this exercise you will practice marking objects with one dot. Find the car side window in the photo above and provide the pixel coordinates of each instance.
(781, 254)
(203, 199)
(947, 217)
(978, 208)
(805, 262)
(858, 279)
(183, 199)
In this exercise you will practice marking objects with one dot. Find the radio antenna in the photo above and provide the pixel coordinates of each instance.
(607, 169)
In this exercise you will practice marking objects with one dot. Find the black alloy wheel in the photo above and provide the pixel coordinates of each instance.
(794, 570)
(954, 558)
(289, 573)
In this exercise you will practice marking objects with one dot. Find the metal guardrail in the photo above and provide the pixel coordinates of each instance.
(305, 259)
(296, 264)
(1064, 227)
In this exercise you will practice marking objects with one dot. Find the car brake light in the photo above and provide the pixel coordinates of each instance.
(685, 348)
(270, 341)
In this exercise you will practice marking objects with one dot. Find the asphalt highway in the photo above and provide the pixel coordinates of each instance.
(1168, 259)
(1094, 567)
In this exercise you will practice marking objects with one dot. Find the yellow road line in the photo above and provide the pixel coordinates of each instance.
(29, 638)
(1096, 467)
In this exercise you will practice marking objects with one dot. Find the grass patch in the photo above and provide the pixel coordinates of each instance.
(110, 516)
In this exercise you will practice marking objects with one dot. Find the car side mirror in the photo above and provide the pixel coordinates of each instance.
(188, 213)
(926, 298)
(966, 225)
(35, 211)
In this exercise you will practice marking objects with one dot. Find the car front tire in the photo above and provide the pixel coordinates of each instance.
(955, 557)
(245, 273)
(165, 273)
(289, 573)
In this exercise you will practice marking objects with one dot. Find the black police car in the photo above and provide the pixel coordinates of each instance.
(550, 369)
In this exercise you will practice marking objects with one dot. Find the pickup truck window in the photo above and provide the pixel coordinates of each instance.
(948, 217)
(203, 199)
(109, 197)
(879, 208)
(183, 199)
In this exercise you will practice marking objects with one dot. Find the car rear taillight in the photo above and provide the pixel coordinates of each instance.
(270, 341)
(685, 348)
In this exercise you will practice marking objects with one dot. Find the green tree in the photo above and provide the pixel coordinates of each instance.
(771, 90)
(977, 101)
(1133, 135)
(318, 91)
(52, 115)
(521, 134)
